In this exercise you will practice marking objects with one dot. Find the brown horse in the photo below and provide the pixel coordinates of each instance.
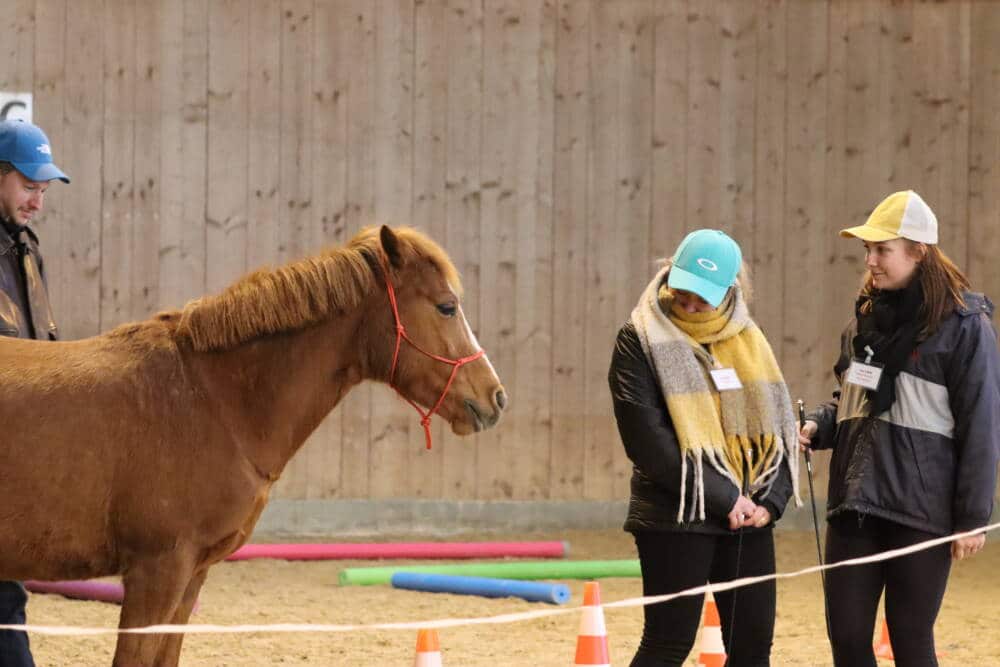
(149, 451)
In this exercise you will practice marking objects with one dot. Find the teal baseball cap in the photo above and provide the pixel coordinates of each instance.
(27, 148)
(706, 263)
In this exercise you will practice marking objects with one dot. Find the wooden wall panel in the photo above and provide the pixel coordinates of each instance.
(119, 154)
(18, 50)
(503, 96)
(463, 26)
(80, 264)
(329, 190)
(671, 136)
(569, 250)
(807, 349)
(737, 66)
(984, 151)
(940, 99)
(293, 162)
(600, 442)
(356, 24)
(184, 30)
(430, 57)
(767, 263)
(634, 55)
(897, 62)
(227, 162)
(533, 332)
(556, 148)
(703, 118)
(263, 131)
(397, 439)
(148, 105)
(49, 96)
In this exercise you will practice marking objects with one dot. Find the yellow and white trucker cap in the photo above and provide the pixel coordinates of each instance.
(900, 215)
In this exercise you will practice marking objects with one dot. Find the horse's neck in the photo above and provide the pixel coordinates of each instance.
(275, 391)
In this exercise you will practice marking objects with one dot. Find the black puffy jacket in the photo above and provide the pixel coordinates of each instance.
(24, 301)
(930, 461)
(651, 443)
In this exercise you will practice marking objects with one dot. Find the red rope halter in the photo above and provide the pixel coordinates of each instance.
(401, 335)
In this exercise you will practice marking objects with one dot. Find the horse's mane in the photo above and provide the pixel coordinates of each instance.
(302, 293)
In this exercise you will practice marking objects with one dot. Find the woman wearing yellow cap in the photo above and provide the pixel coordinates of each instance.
(915, 434)
(706, 419)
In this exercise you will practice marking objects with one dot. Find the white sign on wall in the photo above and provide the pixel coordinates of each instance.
(15, 106)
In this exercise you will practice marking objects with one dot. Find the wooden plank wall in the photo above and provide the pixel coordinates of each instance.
(556, 148)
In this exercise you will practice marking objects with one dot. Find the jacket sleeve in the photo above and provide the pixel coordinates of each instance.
(646, 430)
(974, 391)
(825, 414)
(781, 491)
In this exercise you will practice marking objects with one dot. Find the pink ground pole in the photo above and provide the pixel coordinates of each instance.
(101, 591)
(402, 550)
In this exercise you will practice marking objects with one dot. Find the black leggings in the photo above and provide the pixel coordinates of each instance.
(674, 561)
(914, 586)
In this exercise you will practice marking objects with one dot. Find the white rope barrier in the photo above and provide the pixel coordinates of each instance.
(487, 620)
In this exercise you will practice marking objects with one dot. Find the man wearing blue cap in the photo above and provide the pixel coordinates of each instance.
(26, 169)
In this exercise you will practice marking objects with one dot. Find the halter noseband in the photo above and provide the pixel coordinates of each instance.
(401, 335)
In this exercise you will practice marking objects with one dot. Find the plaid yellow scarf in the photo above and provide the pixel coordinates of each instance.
(745, 434)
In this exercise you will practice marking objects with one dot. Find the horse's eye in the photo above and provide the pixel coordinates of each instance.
(447, 309)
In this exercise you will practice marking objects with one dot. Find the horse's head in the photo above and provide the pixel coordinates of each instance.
(435, 361)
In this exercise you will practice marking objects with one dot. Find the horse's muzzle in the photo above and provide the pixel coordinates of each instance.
(484, 419)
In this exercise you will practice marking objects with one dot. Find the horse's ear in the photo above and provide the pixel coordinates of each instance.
(390, 244)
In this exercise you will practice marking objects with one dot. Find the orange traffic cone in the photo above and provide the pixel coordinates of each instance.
(592, 642)
(883, 647)
(713, 651)
(428, 649)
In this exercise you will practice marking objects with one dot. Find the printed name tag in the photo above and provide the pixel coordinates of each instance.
(725, 379)
(864, 375)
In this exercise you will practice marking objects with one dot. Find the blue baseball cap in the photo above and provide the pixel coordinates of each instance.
(27, 148)
(706, 263)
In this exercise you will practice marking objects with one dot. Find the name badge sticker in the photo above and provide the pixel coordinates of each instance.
(725, 379)
(864, 375)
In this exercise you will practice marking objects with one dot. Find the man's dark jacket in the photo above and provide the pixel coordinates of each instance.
(24, 302)
(24, 313)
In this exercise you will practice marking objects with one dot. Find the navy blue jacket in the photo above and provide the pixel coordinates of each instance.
(930, 461)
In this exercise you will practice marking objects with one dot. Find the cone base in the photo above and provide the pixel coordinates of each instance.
(592, 651)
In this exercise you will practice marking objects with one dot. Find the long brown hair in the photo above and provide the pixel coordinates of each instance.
(941, 281)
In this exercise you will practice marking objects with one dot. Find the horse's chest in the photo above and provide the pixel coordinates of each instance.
(234, 541)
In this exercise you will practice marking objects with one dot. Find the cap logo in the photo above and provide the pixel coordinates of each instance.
(44, 148)
(707, 264)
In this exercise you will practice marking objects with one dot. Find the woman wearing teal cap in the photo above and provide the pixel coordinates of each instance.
(706, 419)
(915, 433)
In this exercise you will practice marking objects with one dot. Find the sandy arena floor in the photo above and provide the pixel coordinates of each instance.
(265, 592)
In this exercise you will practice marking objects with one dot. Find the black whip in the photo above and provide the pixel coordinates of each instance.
(812, 500)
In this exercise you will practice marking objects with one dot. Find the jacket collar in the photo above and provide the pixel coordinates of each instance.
(8, 241)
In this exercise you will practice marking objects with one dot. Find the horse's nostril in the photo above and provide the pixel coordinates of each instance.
(501, 399)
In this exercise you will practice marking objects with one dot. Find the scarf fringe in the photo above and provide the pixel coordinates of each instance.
(708, 431)
(763, 480)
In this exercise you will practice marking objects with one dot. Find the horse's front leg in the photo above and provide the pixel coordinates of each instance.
(154, 588)
(170, 648)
